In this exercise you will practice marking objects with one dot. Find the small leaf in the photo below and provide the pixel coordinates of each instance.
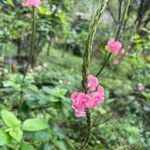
(61, 145)
(16, 133)
(10, 2)
(10, 119)
(34, 125)
(4, 138)
(27, 147)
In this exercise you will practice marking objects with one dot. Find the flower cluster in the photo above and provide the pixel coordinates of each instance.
(116, 47)
(31, 3)
(82, 101)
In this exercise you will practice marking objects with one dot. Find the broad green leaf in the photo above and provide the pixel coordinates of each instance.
(34, 125)
(4, 138)
(42, 136)
(27, 147)
(44, 11)
(10, 2)
(10, 119)
(16, 133)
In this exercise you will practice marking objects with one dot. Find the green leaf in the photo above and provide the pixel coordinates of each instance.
(42, 136)
(16, 133)
(10, 119)
(61, 145)
(4, 138)
(46, 146)
(10, 2)
(34, 125)
(46, 89)
(27, 147)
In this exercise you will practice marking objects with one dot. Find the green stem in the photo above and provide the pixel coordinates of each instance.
(104, 65)
(89, 130)
(122, 20)
(86, 58)
(89, 41)
(116, 37)
(32, 42)
(119, 10)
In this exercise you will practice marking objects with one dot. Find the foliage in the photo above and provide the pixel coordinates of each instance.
(53, 86)
(36, 113)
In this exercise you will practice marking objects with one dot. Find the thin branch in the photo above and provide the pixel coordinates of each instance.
(104, 65)
(120, 10)
(111, 13)
(106, 119)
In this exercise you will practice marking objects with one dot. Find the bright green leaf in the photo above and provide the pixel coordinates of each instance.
(27, 147)
(34, 125)
(10, 119)
(10, 2)
(16, 133)
(4, 138)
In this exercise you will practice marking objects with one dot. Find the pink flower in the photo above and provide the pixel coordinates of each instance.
(101, 91)
(92, 82)
(122, 52)
(31, 3)
(97, 97)
(80, 101)
(80, 113)
(118, 56)
(74, 96)
(114, 46)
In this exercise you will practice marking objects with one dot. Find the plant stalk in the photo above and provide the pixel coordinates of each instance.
(86, 58)
(89, 130)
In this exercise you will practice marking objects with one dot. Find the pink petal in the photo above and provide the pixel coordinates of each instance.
(80, 113)
(114, 46)
(31, 3)
(92, 82)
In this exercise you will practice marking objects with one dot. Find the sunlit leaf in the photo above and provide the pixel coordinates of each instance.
(10, 119)
(34, 125)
